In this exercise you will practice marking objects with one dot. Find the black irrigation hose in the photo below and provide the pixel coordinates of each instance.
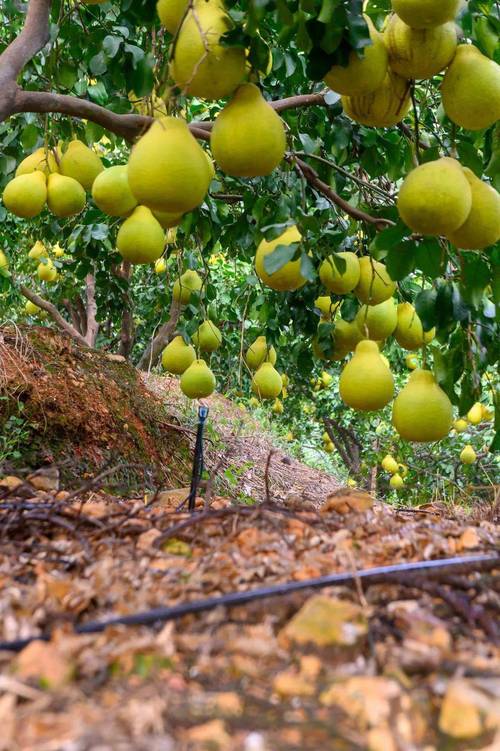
(375, 575)
(198, 458)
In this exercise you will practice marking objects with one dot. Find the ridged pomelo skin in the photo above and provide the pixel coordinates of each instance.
(25, 195)
(409, 332)
(167, 168)
(207, 337)
(190, 281)
(471, 89)
(267, 382)
(361, 75)
(435, 198)
(177, 356)
(80, 163)
(482, 227)
(424, 14)
(65, 196)
(141, 238)
(422, 412)
(382, 108)
(201, 66)
(111, 191)
(366, 383)
(259, 352)
(248, 137)
(419, 53)
(341, 282)
(377, 321)
(41, 160)
(171, 13)
(198, 381)
(375, 285)
(288, 278)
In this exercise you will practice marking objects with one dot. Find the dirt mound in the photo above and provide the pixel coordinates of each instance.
(87, 411)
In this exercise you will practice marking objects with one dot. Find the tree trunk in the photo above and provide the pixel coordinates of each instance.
(152, 353)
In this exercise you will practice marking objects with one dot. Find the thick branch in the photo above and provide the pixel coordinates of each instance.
(313, 179)
(153, 351)
(32, 39)
(53, 313)
(127, 324)
(91, 311)
(128, 126)
(74, 314)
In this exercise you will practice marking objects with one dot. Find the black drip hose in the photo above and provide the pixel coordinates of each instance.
(375, 575)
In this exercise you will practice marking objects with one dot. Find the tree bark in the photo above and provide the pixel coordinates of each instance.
(152, 353)
(127, 324)
(91, 311)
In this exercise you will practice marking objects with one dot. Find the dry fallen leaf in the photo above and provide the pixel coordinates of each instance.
(211, 736)
(461, 711)
(43, 661)
(347, 500)
(326, 621)
(365, 699)
(290, 683)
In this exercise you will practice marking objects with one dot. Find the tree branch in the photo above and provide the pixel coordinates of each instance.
(91, 311)
(127, 323)
(152, 353)
(313, 179)
(53, 313)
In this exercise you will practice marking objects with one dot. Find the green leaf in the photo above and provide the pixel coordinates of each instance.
(279, 257)
(384, 240)
(29, 136)
(400, 261)
(430, 258)
(425, 305)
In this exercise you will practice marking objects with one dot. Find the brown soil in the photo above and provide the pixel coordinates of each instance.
(87, 411)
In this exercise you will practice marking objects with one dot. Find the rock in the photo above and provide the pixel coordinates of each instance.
(45, 479)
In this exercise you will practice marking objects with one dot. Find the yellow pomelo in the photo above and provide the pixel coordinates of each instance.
(329, 447)
(468, 455)
(430, 335)
(160, 266)
(80, 163)
(435, 198)
(58, 251)
(419, 53)
(38, 251)
(411, 362)
(327, 307)
(260, 352)
(424, 14)
(65, 196)
(198, 381)
(475, 414)
(346, 336)
(377, 321)
(168, 219)
(390, 464)
(340, 281)
(177, 356)
(41, 160)
(267, 383)
(31, 309)
(45, 270)
(288, 277)
(361, 75)
(4, 261)
(375, 285)
(460, 425)
(278, 407)
(202, 66)
(190, 281)
(366, 383)
(140, 239)
(111, 191)
(25, 195)
(382, 108)
(207, 337)
(409, 332)
(422, 413)
(488, 414)
(482, 226)
(471, 89)
(167, 169)
(396, 482)
(248, 137)
(171, 13)
(403, 470)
